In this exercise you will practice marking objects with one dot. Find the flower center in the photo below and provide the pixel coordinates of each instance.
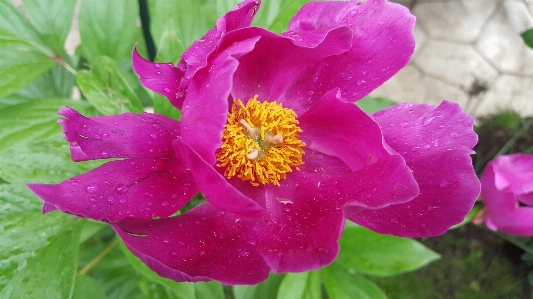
(260, 142)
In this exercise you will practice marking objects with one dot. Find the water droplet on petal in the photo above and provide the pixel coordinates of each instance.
(415, 148)
(157, 65)
(122, 189)
(111, 200)
(360, 82)
(97, 136)
(394, 220)
(122, 201)
(404, 124)
(165, 241)
(153, 136)
(92, 199)
(104, 154)
(165, 204)
(444, 184)
(166, 90)
(454, 135)
(91, 188)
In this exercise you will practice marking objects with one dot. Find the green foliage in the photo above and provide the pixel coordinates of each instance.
(367, 252)
(108, 28)
(107, 89)
(341, 284)
(527, 36)
(372, 105)
(304, 285)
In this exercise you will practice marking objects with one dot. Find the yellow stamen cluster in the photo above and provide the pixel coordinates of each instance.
(260, 142)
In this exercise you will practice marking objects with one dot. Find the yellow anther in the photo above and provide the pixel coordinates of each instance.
(260, 142)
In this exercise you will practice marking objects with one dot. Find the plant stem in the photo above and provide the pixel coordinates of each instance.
(97, 258)
(517, 242)
(145, 23)
(65, 65)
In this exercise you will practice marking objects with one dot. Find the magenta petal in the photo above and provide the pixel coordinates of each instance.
(503, 183)
(383, 43)
(124, 190)
(343, 130)
(215, 187)
(201, 244)
(195, 57)
(162, 78)
(303, 230)
(269, 71)
(126, 135)
(436, 143)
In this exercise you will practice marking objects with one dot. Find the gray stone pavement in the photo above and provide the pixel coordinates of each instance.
(469, 52)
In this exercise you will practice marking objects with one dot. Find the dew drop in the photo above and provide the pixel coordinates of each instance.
(415, 148)
(91, 188)
(394, 220)
(73, 144)
(122, 201)
(122, 189)
(165, 241)
(166, 90)
(97, 136)
(404, 124)
(360, 82)
(244, 253)
(165, 204)
(444, 184)
(104, 154)
(92, 199)
(153, 136)
(156, 126)
(111, 200)
(174, 253)
(454, 135)
(157, 65)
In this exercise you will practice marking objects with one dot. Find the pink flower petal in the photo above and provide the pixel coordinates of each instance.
(271, 68)
(126, 135)
(201, 244)
(503, 182)
(383, 43)
(302, 231)
(215, 187)
(435, 142)
(172, 82)
(124, 190)
(162, 78)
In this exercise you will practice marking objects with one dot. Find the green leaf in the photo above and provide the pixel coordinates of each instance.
(185, 290)
(43, 162)
(527, 36)
(163, 106)
(21, 62)
(53, 242)
(210, 289)
(56, 83)
(268, 289)
(12, 21)
(282, 14)
(87, 288)
(52, 19)
(305, 285)
(34, 121)
(17, 198)
(108, 28)
(367, 252)
(340, 284)
(372, 105)
(200, 16)
(107, 89)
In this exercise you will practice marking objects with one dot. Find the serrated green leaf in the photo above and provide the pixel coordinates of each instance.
(43, 162)
(372, 105)
(340, 284)
(106, 88)
(368, 252)
(21, 234)
(268, 289)
(17, 198)
(34, 121)
(87, 288)
(52, 19)
(51, 272)
(527, 36)
(108, 28)
(183, 290)
(305, 285)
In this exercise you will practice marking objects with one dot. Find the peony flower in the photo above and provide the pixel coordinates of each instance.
(507, 193)
(271, 137)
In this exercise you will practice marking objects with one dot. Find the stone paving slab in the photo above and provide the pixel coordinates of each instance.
(469, 52)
